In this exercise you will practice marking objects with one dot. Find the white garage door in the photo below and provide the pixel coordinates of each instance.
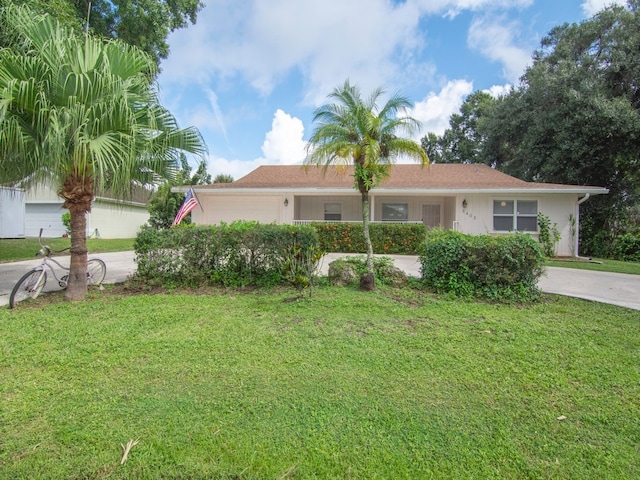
(46, 216)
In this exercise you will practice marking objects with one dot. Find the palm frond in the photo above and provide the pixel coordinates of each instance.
(78, 106)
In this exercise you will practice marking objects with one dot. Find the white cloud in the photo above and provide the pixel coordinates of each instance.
(497, 91)
(236, 168)
(284, 143)
(372, 42)
(591, 7)
(496, 39)
(213, 103)
(237, 49)
(207, 116)
(434, 111)
(450, 8)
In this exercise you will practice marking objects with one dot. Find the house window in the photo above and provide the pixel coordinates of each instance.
(332, 212)
(515, 215)
(395, 212)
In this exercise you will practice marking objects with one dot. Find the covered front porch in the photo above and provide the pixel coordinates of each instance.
(432, 211)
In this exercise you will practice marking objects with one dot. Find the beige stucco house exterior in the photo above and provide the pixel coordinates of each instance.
(109, 218)
(473, 199)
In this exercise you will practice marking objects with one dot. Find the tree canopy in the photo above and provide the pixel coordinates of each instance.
(463, 141)
(574, 118)
(223, 178)
(145, 24)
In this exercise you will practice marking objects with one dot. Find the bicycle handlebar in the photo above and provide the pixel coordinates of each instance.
(46, 250)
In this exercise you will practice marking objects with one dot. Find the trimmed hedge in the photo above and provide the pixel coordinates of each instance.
(239, 254)
(386, 238)
(504, 268)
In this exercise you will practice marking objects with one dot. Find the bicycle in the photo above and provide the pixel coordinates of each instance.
(32, 282)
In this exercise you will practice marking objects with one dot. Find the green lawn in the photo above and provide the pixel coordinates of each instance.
(12, 250)
(346, 384)
(600, 265)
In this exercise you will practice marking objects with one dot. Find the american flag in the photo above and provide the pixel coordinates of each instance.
(189, 204)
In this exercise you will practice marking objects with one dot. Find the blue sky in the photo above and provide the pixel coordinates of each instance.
(250, 73)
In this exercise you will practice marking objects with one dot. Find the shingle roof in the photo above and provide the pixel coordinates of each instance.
(137, 194)
(403, 176)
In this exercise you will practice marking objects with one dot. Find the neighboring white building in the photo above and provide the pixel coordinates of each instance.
(470, 198)
(11, 212)
(111, 218)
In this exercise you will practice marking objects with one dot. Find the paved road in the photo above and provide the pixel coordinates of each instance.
(614, 288)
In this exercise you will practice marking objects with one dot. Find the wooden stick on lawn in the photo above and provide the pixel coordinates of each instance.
(127, 449)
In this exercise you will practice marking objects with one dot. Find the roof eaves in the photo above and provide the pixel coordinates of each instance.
(412, 191)
(559, 189)
(120, 202)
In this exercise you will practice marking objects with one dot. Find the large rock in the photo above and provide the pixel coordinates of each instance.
(392, 275)
(342, 273)
(345, 272)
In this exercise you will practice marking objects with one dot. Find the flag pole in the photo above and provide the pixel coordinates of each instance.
(197, 199)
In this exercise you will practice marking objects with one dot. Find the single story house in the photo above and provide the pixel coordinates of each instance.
(470, 198)
(109, 218)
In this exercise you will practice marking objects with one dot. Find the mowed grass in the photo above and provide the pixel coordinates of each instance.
(12, 250)
(346, 384)
(599, 265)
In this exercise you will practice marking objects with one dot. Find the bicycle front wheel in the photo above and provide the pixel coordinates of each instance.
(96, 270)
(28, 287)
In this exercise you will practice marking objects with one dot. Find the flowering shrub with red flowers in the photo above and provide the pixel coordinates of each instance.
(387, 238)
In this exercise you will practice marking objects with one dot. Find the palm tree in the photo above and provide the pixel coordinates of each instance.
(356, 131)
(83, 113)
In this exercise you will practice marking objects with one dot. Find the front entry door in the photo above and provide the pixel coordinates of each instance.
(431, 216)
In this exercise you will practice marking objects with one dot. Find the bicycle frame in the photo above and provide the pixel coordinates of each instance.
(62, 281)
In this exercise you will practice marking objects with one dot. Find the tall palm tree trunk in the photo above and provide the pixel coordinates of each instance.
(367, 282)
(77, 287)
(78, 194)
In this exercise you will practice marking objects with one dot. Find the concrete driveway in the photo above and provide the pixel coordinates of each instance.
(614, 288)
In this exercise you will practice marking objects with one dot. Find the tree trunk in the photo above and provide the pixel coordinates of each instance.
(77, 192)
(77, 286)
(367, 281)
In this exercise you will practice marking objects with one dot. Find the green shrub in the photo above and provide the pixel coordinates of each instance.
(386, 238)
(598, 244)
(239, 254)
(627, 247)
(442, 263)
(503, 268)
(548, 235)
(66, 221)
